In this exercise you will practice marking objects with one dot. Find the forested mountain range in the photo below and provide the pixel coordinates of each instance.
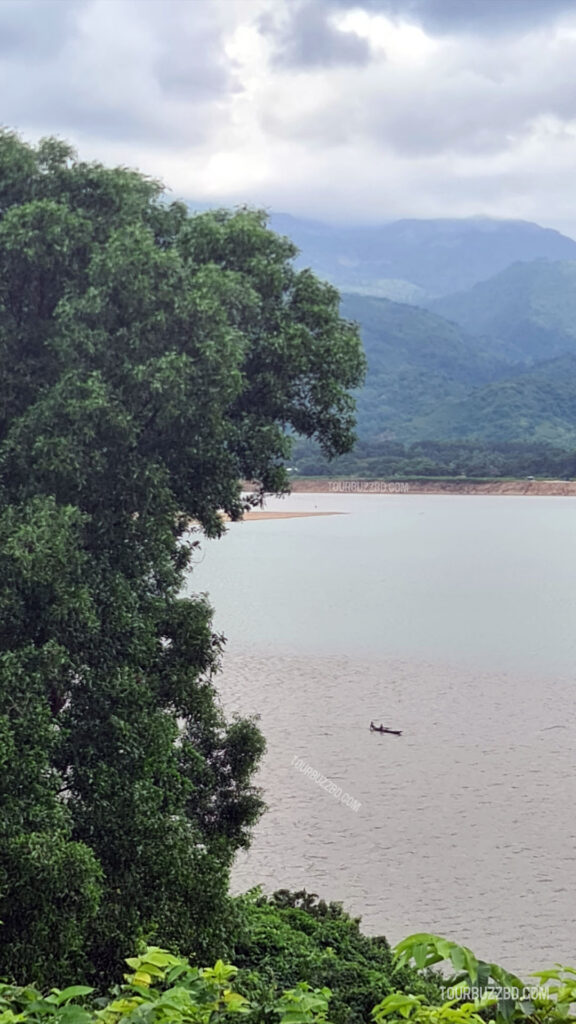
(430, 379)
(469, 326)
(492, 363)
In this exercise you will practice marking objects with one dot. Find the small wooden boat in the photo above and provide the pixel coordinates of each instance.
(383, 728)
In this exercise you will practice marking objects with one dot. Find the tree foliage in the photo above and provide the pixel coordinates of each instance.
(150, 361)
(161, 988)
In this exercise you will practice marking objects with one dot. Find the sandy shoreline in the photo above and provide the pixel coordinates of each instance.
(538, 488)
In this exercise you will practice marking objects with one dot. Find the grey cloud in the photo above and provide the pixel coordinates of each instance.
(420, 118)
(308, 39)
(75, 67)
(192, 61)
(423, 134)
(452, 130)
(118, 122)
(456, 16)
(38, 29)
(474, 97)
(413, 127)
(484, 16)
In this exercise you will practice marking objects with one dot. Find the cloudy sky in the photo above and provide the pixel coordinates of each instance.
(334, 109)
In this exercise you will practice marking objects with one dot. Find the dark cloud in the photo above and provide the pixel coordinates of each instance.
(474, 97)
(308, 39)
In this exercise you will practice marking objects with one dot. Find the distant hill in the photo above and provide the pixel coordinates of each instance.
(536, 406)
(428, 379)
(527, 312)
(408, 259)
(416, 361)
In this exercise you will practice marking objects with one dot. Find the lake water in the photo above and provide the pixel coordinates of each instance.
(452, 618)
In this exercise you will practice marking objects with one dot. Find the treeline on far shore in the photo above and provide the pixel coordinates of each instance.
(393, 460)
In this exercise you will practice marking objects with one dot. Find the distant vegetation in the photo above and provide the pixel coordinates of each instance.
(392, 460)
(536, 406)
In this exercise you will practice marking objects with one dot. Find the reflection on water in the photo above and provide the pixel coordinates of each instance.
(453, 619)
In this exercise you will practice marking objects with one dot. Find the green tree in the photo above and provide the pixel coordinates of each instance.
(150, 361)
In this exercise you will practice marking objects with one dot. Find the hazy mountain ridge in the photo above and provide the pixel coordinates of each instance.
(496, 363)
(407, 258)
(466, 324)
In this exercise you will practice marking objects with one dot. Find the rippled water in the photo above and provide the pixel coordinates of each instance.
(452, 618)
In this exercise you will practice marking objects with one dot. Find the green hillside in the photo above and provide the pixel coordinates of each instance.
(526, 313)
(416, 361)
(429, 380)
(536, 406)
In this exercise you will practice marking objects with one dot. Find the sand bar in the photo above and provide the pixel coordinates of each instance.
(263, 514)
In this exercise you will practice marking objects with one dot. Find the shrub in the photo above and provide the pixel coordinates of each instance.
(292, 936)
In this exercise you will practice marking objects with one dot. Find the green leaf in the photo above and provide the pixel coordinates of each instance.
(73, 992)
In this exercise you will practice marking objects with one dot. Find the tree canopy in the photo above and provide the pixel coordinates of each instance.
(151, 360)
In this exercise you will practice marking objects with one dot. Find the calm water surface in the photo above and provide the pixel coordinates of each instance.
(454, 619)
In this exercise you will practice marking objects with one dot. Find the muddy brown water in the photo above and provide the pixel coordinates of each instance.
(453, 619)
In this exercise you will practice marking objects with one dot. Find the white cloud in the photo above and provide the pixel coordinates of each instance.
(339, 110)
